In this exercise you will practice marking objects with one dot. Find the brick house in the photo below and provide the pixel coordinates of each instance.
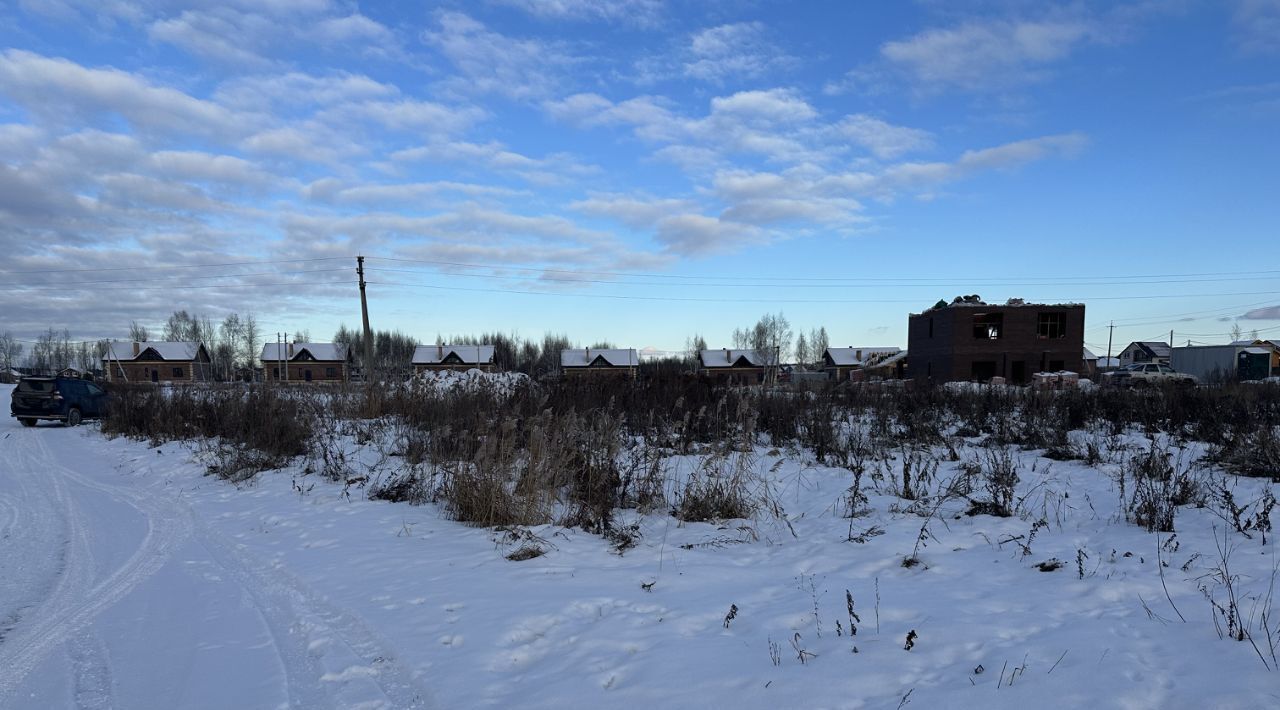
(841, 363)
(593, 362)
(159, 363)
(306, 362)
(433, 358)
(971, 340)
(735, 365)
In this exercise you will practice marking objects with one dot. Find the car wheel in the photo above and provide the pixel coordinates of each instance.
(28, 422)
(73, 417)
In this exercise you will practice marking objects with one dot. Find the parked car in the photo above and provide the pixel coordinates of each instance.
(63, 399)
(1147, 374)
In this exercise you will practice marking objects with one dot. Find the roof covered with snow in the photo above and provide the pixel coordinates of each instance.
(1154, 348)
(168, 351)
(853, 356)
(728, 358)
(323, 352)
(468, 354)
(583, 357)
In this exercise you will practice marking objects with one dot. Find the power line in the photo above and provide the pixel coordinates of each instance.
(763, 300)
(924, 281)
(170, 287)
(876, 285)
(176, 266)
(185, 277)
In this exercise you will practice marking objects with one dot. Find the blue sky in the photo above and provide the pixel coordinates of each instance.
(642, 170)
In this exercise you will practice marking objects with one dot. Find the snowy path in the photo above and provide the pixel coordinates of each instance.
(113, 593)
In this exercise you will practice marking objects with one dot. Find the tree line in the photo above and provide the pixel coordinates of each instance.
(235, 342)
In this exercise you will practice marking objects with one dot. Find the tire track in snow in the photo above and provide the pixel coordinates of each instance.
(302, 625)
(313, 622)
(76, 601)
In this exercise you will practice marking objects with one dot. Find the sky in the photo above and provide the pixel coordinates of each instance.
(639, 171)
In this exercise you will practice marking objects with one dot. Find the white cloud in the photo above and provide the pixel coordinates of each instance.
(700, 235)
(1257, 25)
(60, 90)
(769, 106)
(552, 169)
(883, 139)
(770, 123)
(1002, 157)
(1267, 313)
(295, 90)
(250, 34)
(220, 34)
(420, 117)
(415, 194)
(643, 13)
(634, 211)
(351, 28)
(985, 55)
(198, 166)
(734, 51)
(303, 144)
(491, 63)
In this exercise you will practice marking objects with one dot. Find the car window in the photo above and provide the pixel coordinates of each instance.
(42, 386)
(1166, 368)
(73, 388)
(95, 390)
(1151, 368)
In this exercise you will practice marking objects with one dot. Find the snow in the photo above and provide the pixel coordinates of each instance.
(323, 352)
(453, 380)
(583, 357)
(128, 578)
(851, 356)
(175, 351)
(725, 357)
(469, 354)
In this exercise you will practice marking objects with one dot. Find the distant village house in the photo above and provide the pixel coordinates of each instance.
(306, 362)
(591, 362)
(159, 363)
(841, 363)
(736, 365)
(1145, 351)
(435, 358)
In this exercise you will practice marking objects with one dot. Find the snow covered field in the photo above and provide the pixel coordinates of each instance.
(130, 579)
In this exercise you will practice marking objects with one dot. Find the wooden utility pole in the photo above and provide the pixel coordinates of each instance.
(364, 314)
(1110, 331)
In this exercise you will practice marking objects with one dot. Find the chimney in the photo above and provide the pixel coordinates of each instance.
(290, 350)
(439, 351)
(136, 348)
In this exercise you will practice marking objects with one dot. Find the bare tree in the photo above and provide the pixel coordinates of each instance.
(137, 332)
(250, 340)
(818, 343)
(10, 351)
(52, 351)
(1234, 334)
(693, 346)
(803, 356)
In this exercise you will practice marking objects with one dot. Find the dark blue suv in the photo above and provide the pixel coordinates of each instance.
(63, 399)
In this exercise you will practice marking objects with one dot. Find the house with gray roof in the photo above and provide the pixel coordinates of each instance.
(594, 362)
(433, 358)
(1144, 351)
(306, 362)
(157, 363)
